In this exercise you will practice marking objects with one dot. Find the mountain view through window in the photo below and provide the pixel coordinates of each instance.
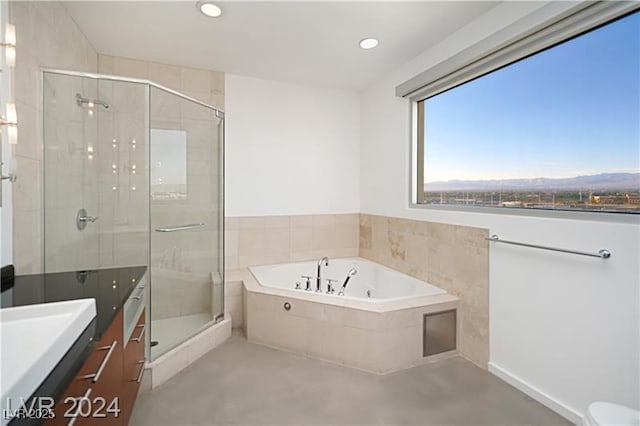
(557, 130)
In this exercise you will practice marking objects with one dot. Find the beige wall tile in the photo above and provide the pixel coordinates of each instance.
(231, 262)
(277, 241)
(399, 348)
(359, 348)
(342, 252)
(245, 261)
(217, 100)
(30, 133)
(251, 222)
(231, 223)
(324, 220)
(194, 111)
(251, 242)
(301, 239)
(277, 222)
(231, 242)
(105, 64)
(323, 237)
(217, 80)
(300, 256)
(346, 236)
(27, 190)
(233, 305)
(347, 219)
(130, 67)
(195, 80)
(272, 258)
(301, 221)
(166, 75)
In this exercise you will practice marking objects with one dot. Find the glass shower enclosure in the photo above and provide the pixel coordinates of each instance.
(133, 176)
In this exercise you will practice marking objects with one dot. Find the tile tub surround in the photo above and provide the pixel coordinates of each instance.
(233, 301)
(263, 240)
(454, 258)
(379, 338)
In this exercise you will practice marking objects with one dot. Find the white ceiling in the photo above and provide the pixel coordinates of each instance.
(306, 42)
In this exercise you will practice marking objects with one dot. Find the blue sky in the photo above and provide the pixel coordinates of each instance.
(571, 110)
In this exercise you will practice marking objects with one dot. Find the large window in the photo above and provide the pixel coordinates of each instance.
(559, 129)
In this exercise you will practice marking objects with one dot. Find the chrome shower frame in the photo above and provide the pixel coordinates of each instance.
(219, 113)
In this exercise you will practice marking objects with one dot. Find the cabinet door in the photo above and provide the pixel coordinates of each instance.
(93, 391)
(134, 363)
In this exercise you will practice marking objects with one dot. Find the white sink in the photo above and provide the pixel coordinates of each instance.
(33, 339)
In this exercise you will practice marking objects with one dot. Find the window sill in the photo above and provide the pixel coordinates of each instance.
(623, 218)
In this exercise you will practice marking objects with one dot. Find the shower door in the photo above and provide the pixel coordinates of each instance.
(95, 173)
(186, 218)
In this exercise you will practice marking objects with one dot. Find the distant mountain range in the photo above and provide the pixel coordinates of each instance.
(599, 182)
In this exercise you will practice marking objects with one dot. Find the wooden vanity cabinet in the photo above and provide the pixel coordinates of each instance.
(97, 384)
(105, 389)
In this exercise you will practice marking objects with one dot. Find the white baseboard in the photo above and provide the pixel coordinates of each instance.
(535, 393)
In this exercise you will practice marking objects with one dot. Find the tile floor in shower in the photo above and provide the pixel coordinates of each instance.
(242, 383)
(169, 332)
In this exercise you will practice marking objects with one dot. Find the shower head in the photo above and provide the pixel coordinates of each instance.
(81, 101)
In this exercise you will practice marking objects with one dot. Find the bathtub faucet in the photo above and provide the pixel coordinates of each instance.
(318, 279)
(351, 273)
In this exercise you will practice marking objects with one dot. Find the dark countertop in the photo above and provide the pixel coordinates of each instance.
(109, 287)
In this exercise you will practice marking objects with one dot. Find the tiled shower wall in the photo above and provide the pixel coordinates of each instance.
(47, 37)
(454, 258)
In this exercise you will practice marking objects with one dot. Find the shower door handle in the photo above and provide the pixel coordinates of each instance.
(180, 227)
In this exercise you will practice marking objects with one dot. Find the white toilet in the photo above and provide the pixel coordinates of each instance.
(602, 413)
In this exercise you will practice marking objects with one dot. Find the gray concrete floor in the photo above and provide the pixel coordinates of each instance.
(241, 383)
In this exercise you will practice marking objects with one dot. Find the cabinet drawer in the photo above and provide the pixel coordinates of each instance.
(98, 382)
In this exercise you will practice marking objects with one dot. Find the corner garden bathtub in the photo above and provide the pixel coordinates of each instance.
(378, 325)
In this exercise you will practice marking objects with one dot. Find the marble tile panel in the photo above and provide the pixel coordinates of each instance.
(454, 258)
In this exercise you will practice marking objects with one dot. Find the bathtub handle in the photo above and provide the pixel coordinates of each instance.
(308, 285)
(330, 288)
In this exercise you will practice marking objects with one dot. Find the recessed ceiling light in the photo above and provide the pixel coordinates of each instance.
(209, 9)
(368, 43)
